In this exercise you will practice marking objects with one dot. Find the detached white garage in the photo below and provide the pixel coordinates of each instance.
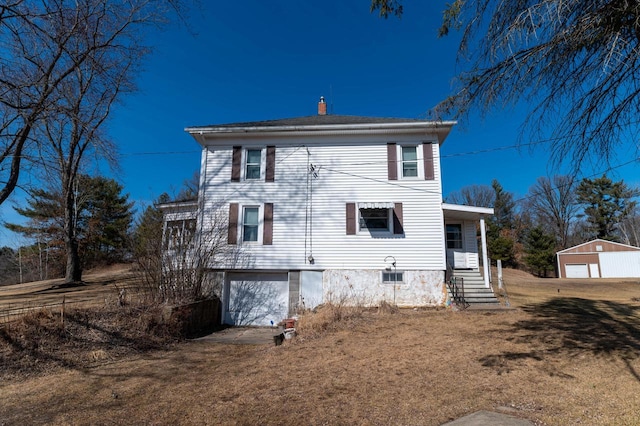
(599, 259)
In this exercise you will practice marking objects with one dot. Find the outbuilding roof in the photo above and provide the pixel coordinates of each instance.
(592, 247)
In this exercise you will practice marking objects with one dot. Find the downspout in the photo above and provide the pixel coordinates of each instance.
(485, 255)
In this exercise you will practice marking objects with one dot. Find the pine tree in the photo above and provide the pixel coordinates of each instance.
(606, 204)
(539, 251)
(103, 219)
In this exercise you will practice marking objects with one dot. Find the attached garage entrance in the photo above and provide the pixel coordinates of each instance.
(258, 299)
(577, 271)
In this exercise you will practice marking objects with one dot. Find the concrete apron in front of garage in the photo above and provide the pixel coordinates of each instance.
(242, 336)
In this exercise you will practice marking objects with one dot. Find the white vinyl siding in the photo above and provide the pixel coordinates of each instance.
(348, 169)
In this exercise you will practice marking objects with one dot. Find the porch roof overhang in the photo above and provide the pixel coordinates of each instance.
(457, 211)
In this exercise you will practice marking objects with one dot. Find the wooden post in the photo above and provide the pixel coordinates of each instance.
(62, 312)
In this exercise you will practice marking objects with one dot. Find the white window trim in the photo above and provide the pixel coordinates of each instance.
(263, 163)
(419, 160)
(242, 208)
(366, 231)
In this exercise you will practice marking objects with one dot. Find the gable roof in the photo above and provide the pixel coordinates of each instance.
(577, 249)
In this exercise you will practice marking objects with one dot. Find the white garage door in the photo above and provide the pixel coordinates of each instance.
(577, 271)
(257, 299)
(621, 264)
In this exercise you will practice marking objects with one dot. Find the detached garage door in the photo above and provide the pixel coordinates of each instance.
(576, 271)
(621, 264)
(257, 299)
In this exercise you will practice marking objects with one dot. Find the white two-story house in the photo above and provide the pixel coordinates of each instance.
(330, 208)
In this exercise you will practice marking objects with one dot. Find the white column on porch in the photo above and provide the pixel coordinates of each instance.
(485, 256)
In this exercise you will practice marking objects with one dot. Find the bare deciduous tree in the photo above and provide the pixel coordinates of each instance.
(182, 267)
(473, 195)
(575, 61)
(629, 228)
(553, 204)
(64, 64)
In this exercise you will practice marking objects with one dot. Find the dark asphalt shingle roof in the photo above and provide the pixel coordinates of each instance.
(315, 120)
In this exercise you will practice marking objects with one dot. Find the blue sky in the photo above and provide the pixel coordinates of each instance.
(255, 60)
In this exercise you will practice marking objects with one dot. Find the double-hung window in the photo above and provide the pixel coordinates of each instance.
(253, 163)
(409, 161)
(250, 224)
(375, 219)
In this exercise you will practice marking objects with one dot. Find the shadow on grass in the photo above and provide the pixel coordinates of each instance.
(575, 326)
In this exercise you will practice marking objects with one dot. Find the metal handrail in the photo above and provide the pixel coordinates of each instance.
(456, 287)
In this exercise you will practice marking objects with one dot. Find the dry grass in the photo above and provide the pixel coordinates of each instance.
(559, 359)
(44, 341)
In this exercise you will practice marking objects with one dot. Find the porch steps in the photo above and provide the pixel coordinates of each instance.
(475, 293)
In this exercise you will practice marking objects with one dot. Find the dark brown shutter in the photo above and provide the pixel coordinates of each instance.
(267, 237)
(271, 164)
(233, 223)
(351, 218)
(392, 161)
(398, 229)
(429, 174)
(236, 164)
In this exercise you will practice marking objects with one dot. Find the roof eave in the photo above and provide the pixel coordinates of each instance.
(430, 125)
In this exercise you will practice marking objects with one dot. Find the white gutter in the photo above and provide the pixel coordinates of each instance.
(321, 127)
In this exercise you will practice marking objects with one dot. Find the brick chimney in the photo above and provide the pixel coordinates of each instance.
(322, 106)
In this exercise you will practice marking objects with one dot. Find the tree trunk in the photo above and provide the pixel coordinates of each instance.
(74, 267)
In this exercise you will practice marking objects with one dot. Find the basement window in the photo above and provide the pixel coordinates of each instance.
(392, 277)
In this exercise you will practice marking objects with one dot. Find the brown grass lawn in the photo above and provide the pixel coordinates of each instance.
(560, 358)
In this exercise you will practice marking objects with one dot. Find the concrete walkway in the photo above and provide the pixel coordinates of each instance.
(489, 418)
(242, 336)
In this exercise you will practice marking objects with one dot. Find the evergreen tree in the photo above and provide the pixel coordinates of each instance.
(147, 233)
(503, 206)
(539, 251)
(103, 219)
(500, 227)
(106, 222)
(606, 204)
